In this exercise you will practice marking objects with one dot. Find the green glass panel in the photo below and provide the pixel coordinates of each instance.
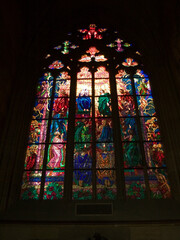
(132, 155)
(83, 130)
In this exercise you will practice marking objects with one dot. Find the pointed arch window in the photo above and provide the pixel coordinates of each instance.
(94, 133)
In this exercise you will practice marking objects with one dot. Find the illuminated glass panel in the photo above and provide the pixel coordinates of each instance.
(154, 154)
(101, 73)
(60, 108)
(92, 114)
(102, 87)
(142, 85)
(37, 133)
(104, 131)
(83, 107)
(83, 132)
(56, 153)
(123, 86)
(146, 106)
(159, 184)
(82, 156)
(105, 157)
(84, 73)
(129, 62)
(129, 130)
(150, 128)
(34, 156)
(41, 108)
(82, 185)
(31, 184)
(134, 183)
(54, 185)
(84, 88)
(103, 106)
(56, 65)
(126, 106)
(106, 184)
(59, 126)
(62, 88)
(132, 155)
(44, 89)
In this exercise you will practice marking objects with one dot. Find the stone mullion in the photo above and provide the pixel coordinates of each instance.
(140, 135)
(70, 137)
(119, 164)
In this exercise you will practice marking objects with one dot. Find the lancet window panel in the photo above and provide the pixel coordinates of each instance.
(94, 125)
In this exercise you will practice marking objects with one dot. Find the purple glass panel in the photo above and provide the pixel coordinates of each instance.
(44, 89)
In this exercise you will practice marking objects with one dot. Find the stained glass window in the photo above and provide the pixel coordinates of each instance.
(94, 132)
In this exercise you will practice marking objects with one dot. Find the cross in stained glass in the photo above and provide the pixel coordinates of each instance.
(118, 44)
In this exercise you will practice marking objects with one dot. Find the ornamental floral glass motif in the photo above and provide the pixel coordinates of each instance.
(100, 102)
